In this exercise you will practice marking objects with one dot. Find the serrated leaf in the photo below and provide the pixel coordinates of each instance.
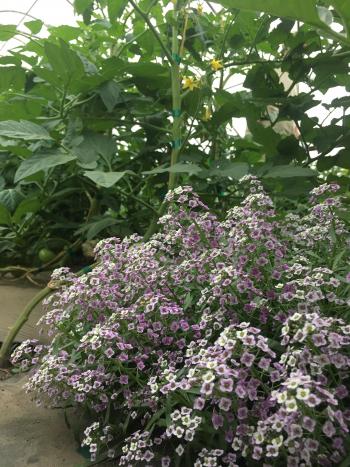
(105, 179)
(287, 171)
(23, 129)
(41, 161)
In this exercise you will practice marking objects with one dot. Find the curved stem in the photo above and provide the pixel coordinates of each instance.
(21, 320)
(153, 29)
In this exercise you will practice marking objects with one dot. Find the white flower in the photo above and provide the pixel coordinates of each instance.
(303, 393)
(291, 405)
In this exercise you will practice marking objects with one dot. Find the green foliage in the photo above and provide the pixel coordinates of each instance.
(86, 123)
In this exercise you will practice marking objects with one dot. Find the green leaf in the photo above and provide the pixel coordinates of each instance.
(299, 10)
(11, 77)
(115, 9)
(41, 161)
(7, 31)
(94, 228)
(287, 171)
(342, 7)
(65, 32)
(64, 61)
(5, 216)
(81, 5)
(25, 206)
(23, 130)
(110, 94)
(325, 15)
(10, 198)
(176, 168)
(105, 179)
(34, 26)
(236, 170)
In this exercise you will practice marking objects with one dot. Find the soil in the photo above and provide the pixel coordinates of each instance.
(31, 435)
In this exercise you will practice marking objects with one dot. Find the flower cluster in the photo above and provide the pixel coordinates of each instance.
(219, 342)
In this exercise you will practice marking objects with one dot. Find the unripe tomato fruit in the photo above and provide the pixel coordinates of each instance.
(46, 255)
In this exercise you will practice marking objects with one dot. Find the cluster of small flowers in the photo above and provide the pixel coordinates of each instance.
(183, 424)
(216, 343)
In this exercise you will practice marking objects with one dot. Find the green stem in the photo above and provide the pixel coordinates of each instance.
(21, 320)
(176, 95)
(153, 29)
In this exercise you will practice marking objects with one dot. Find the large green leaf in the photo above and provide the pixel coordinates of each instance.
(110, 93)
(41, 161)
(343, 8)
(234, 170)
(34, 26)
(82, 5)
(7, 31)
(176, 168)
(115, 8)
(105, 179)
(11, 77)
(5, 216)
(299, 10)
(10, 198)
(23, 130)
(64, 61)
(27, 205)
(287, 171)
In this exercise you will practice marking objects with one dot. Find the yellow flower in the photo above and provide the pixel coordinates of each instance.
(206, 114)
(190, 83)
(200, 8)
(216, 64)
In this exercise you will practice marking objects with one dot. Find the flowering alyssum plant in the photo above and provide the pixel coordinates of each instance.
(216, 343)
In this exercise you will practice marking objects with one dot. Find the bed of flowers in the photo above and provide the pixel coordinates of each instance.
(216, 343)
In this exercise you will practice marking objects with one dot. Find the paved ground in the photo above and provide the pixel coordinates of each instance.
(33, 436)
(13, 298)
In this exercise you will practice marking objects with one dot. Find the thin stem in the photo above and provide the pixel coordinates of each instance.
(21, 320)
(153, 29)
(176, 94)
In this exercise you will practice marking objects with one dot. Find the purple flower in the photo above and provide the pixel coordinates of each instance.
(225, 404)
(109, 352)
(247, 359)
(199, 403)
(328, 429)
(123, 379)
(309, 424)
(207, 388)
(226, 385)
(218, 420)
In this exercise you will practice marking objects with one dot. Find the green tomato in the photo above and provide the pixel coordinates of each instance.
(46, 255)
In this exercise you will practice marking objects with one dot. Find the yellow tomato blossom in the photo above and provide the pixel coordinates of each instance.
(200, 8)
(190, 83)
(216, 64)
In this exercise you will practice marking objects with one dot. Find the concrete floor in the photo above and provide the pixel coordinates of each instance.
(31, 435)
(13, 298)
